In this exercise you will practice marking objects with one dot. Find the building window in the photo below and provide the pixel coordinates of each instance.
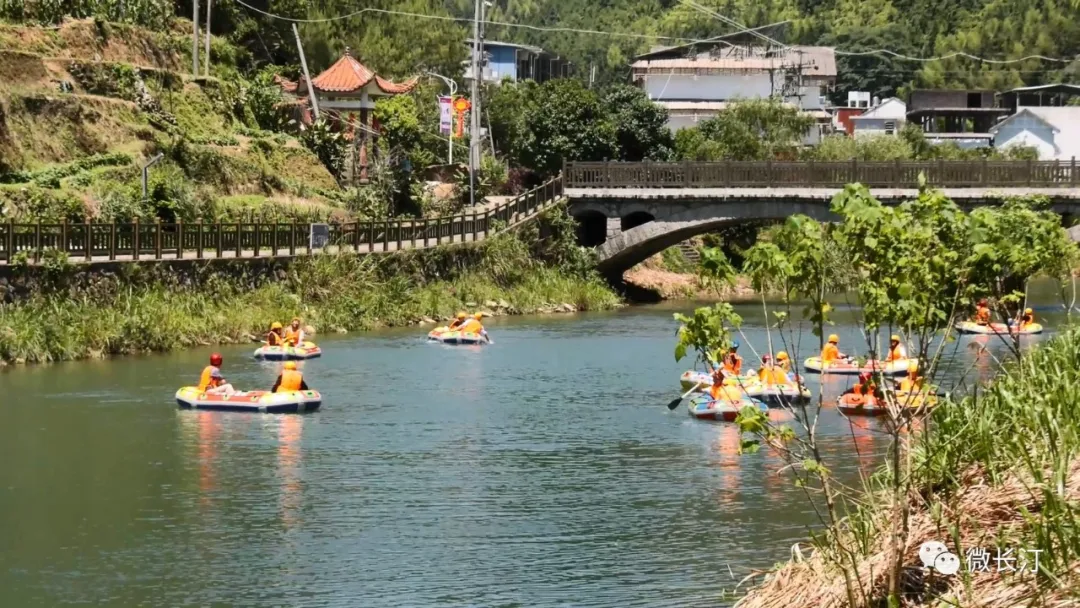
(890, 127)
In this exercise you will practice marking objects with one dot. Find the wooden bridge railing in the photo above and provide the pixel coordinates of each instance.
(776, 174)
(95, 241)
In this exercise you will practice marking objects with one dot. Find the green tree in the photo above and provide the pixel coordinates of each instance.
(641, 129)
(565, 121)
(746, 130)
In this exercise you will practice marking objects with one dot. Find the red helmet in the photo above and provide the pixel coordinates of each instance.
(982, 302)
(215, 359)
(864, 377)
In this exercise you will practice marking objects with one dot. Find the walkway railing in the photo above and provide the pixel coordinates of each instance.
(104, 242)
(776, 174)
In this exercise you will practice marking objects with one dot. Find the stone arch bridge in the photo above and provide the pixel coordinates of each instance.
(630, 211)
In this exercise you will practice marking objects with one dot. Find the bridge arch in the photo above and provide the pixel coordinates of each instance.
(635, 219)
(591, 229)
(635, 245)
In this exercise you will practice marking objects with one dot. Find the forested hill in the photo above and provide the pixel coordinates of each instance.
(399, 44)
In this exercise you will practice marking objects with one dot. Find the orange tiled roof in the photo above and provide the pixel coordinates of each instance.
(286, 85)
(348, 75)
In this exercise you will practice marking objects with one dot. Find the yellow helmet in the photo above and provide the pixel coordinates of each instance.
(894, 338)
(275, 325)
(913, 367)
(834, 338)
(1028, 311)
(478, 316)
(461, 315)
(781, 356)
(295, 320)
(290, 365)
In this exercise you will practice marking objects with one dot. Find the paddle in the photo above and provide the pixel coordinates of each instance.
(675, 403)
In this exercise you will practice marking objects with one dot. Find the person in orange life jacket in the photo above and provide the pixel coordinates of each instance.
(473, 326)
(218, 386)
(913, 382)
(865, 386)
(982, 313)
(831, 353)
(294, 336)
(770, 374)
(732, 360)
(1028, 319)
(720, 390)
(896, 349)
(274, 337)
(459, 321)
(215, 365)
(289, 380)
(783, 362)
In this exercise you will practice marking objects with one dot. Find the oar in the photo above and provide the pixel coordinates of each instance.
(675, 403)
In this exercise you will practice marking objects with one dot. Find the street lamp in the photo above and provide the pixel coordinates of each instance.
(453, 89)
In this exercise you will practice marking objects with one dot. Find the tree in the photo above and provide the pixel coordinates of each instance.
(641, 129)
(747, 130)
(564, 121)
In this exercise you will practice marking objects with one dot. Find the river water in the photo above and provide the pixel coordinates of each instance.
(544, 470)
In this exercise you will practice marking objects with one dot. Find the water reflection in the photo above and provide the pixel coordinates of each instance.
(289, 467)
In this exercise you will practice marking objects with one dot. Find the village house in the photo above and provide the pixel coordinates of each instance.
(883, 118)
(961, 117)
(516, 62)
(696, 81)
(1048, 124)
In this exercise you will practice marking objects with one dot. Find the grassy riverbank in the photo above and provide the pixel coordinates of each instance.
(73, 316)
(998, 471)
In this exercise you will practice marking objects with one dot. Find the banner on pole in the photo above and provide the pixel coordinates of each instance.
(446, 115)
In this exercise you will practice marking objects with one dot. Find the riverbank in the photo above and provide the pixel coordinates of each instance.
(66, 316)
(999, 473)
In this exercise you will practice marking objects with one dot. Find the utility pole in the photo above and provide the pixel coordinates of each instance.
(307, 76)
(474, 94)
(207, 73)
(195, 38)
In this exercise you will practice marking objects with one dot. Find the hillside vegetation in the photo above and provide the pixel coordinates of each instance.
(83, 105)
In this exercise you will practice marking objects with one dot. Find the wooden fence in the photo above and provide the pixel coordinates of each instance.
(102, 242)
(775, 174)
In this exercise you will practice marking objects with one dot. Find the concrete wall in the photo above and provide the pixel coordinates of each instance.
(707, 87)
(865, 127)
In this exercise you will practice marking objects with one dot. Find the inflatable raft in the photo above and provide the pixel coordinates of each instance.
(779, 393)
(444, 335)
(890, 368)
(704, 407)
(307, 350)
(703, 380)
(967, 327)
(851, 404)
(263, 402)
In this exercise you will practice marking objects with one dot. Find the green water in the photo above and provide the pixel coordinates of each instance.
(542, 471)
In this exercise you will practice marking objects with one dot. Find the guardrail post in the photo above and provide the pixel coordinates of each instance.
(1029, 172)
(607, 178)
(769, 172)
(199, 239)
(274, 239)
(240, 239)
(1072, 170)
(88, 239)
(984, 177)
(257, 234)
(854, 177)
(37, 242)
(292, 237)
(135, 230)
(940, 173)
(9, 245)
(179, 239)
(487, 224)
(157, 238)
(220, 229)
(112, 241)
(64, 236)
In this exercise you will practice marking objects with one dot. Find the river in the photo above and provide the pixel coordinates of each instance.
(544, 470)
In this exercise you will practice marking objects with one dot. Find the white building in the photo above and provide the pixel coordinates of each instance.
(696, 81)
(1052, 130)
(884, 118)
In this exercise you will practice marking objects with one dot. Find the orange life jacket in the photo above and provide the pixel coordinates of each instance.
(291, 380)
(830, 353)
(273, 339)
(292, 336)
(732, 363)
(982, 315)
(205, 380)
(897, 353)
(472, 326)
